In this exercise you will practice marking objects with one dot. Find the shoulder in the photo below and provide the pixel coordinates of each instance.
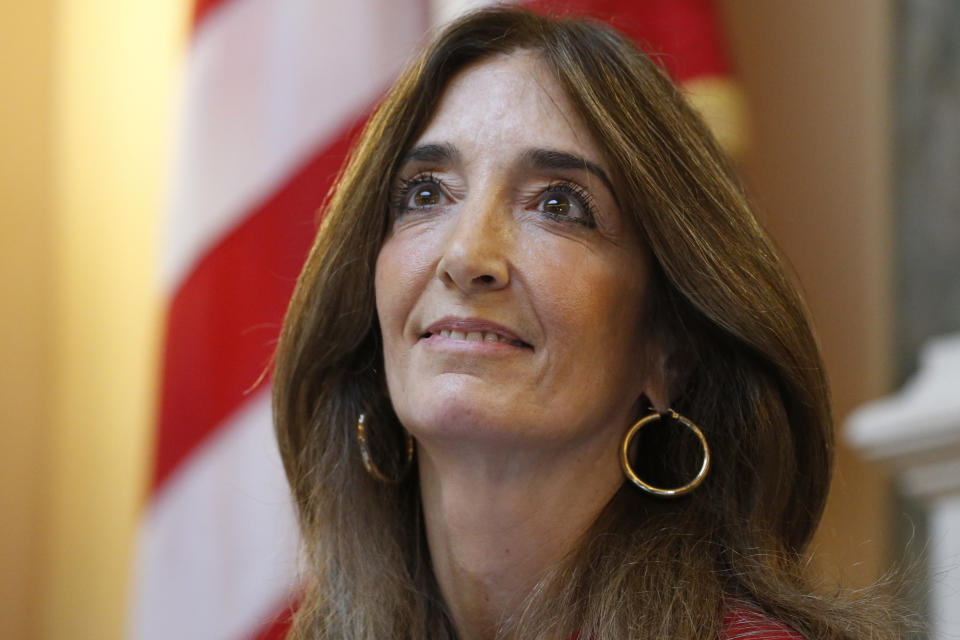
(748, 624)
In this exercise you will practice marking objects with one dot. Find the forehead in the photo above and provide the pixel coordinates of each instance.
(506, 102)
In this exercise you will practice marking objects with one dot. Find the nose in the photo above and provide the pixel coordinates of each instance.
(475, 256)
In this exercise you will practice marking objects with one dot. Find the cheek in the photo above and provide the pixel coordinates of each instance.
(594, 293)
(390, 295)
(593, 304)
(383, 284)
(403, 271)
(394, 282)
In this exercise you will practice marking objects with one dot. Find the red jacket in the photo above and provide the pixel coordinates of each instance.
(747, 624)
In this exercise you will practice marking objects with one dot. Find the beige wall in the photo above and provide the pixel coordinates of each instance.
(86, 129)
(816, 75)
(26, 278)
(89, 95)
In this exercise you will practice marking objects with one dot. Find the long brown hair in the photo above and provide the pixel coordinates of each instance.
(742, 360)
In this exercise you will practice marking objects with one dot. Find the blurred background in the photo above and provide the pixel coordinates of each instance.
(845, 118)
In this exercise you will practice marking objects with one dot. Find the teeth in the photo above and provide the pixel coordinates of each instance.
(477, 336)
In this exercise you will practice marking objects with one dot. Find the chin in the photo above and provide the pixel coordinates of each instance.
(460, 416)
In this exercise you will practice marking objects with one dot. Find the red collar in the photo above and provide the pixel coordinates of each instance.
(744, 623)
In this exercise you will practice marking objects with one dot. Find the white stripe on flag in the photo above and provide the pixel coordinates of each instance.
(268, 82)
(443, 11)
(218, 548)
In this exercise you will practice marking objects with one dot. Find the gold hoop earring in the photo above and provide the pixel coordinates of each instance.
(659, 491)
(368, 460)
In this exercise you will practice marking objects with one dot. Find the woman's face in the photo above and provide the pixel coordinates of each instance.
(509, 289)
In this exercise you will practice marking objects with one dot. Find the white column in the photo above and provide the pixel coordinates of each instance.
(944, 528)
(917, 433)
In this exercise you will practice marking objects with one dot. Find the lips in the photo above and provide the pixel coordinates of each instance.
(474, 330)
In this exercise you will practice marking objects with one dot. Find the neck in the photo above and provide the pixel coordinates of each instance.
(497, 521)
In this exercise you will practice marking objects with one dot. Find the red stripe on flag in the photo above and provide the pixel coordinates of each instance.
(202, 8)
(277, 626)
(682, 35)
(275, 631)
(224, 320)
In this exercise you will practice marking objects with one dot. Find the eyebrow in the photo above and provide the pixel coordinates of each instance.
(543, 159)
(551, 160)
(432, 153)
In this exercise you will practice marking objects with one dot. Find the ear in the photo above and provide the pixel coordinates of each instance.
(666, 379)
(657, 389)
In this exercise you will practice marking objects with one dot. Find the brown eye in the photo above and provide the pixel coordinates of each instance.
(425, 195)
(420, 192)
(557, 204)
(567, 203)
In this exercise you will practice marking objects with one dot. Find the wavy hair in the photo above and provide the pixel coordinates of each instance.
(743, 363)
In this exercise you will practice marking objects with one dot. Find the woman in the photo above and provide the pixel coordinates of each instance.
(538, 268)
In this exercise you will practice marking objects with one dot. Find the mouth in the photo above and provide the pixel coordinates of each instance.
(474, 330)
(476, 336)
